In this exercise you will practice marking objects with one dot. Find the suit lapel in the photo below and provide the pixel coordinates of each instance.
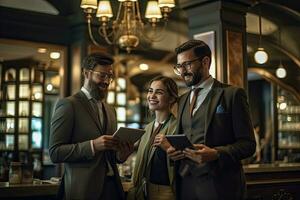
(90, 110)
(163, 131)
(215, 95)
(108, 125)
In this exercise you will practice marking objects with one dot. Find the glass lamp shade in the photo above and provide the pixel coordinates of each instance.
(280, 72)
(104, 9)
(89, 4)
(260, 56)
(152, 10)
(166, 3)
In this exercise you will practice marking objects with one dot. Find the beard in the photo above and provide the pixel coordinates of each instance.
(196, 78)
(98, 90)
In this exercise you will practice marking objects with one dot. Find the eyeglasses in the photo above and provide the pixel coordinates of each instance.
(186, 65)
(103, 75)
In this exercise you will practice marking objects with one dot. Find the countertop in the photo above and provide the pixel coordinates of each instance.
(276, 167)
(27, 190)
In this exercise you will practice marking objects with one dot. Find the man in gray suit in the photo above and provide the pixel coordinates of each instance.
(215, 117)
(81, 136)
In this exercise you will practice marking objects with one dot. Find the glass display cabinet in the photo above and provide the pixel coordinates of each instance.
(21, 113)
(288, 112)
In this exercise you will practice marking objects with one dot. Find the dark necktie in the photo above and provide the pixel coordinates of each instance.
(98, 110)
(194, 99)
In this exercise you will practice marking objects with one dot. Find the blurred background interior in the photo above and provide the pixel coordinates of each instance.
(43, 42)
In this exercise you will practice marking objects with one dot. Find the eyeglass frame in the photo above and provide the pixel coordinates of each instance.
(187, 65)
(104, 75)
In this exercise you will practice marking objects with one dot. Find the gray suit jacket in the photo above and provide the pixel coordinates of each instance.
(228, 128)
(73, 125)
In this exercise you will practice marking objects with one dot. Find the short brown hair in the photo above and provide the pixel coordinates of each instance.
(201, 49)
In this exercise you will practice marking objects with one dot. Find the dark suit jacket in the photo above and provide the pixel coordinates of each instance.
(228, 128)
(73, 125)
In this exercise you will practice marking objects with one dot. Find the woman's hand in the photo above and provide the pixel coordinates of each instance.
(161, 141)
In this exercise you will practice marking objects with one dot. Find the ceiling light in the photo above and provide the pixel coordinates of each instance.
(55, 55)
(281, 72)
(42, 50)
(144, 67)
(261, 56)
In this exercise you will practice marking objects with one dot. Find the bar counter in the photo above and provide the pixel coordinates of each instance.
(264, 182)
(41, 190)
(271, 181)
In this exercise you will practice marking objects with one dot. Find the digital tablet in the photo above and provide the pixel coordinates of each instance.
(179, 142)
(129, 134)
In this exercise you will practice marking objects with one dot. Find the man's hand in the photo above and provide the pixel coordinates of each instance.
(105, 142)
(175, 155)
(201, 153)
(161, 141)
(124, 150)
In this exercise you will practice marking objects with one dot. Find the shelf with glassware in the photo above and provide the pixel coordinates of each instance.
(21, 114)
(288, 112)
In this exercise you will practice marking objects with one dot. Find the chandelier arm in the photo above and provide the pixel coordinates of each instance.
(102, 31)
(91, 34)
(157, 36)
(119, 12)
(138, 12)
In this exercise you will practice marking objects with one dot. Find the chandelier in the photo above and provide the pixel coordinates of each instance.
(128, 27)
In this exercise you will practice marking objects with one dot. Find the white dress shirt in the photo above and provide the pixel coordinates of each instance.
(206, 87)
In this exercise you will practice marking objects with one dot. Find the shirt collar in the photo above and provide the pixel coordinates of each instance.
(206, 85)
(86, 92)
(156, 123)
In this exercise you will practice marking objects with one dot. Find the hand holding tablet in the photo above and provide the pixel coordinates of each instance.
(130, 135)
(179, 142)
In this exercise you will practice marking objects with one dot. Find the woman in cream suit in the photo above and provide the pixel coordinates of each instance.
(153, 174)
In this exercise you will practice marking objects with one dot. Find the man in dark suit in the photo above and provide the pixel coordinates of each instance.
(215, 117)
(81, 136)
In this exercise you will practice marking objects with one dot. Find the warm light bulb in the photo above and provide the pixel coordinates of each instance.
(144, 67)
(166, 3)
(104, 9)
(280, 72)
(282, 106)
(42, 50)
(85, 4)
(38, 95)
(49, 87)
(152, 10)
(260, 56)
(55, 55)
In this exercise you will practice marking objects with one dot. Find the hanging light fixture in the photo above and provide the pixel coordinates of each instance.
(260, 55)
(280, 71)
(127, 28)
